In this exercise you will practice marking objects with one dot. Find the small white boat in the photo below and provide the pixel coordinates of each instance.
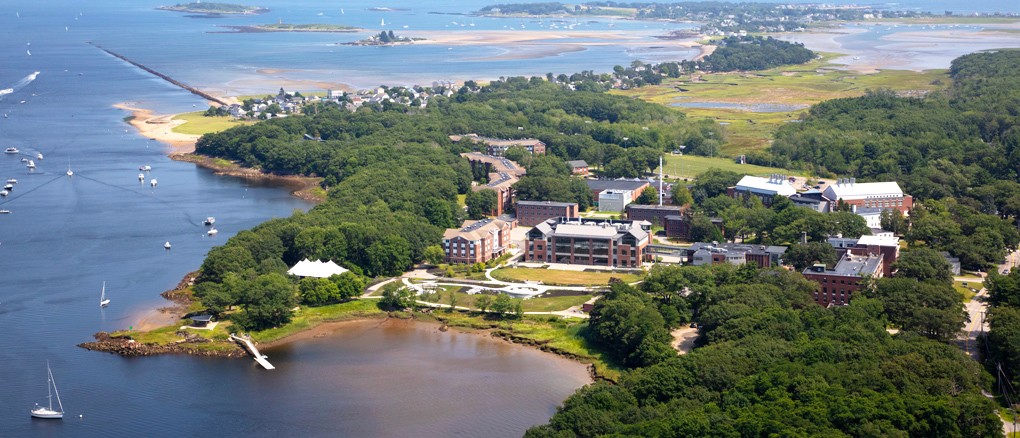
(167, 244)
(51, 389)
(141, 177)
(103, 301)
(4, 192)
(31, 164)
(153, 182)
(145, 168)
(212, 232)
(11, 151)
(210, 220)
(38, 156)
(24, 160)
(5, 212)
(12, 181)
(8, 186)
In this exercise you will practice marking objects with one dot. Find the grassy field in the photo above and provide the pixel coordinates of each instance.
(800, 85)
(690, 166)
(965, 291)
(199, 124)
(567, 278)
(554, 303)
(308, 317)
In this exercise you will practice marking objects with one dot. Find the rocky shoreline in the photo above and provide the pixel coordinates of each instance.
(304, 187)
(190, 345)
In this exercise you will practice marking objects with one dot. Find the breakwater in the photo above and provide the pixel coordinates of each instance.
(162, 76)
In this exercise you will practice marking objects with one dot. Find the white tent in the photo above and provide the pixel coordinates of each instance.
(317, 269)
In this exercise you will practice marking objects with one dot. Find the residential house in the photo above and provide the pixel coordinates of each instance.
(578, 167)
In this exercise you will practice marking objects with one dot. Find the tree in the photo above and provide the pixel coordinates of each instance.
(453, 300)
(267, 303)
(680, 195)
(348, 285)
(395, 296)
(318, 291)
(703, 230)
(390, 255)
(648, 196)
(483, 301)
(802, 256)
(934, 310)
(502, 304)
(627, 326)
(224, 259)
(434, 254)
(481, 203)
(923, 264)
(893, 220)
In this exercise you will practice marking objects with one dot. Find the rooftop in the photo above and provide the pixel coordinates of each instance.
(774, 184)
(577, 163)
(615, 184)
(850, 189)
(548, 203)
(474, 230)
(879, 240)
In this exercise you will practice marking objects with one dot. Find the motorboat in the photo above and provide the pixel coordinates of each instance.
(153, 182)
(210, 220)
(8, 186)
(4, 192)
(141, 177)
(11, 151)
(24, 160)
(38, 156)
(5, 212)
(12, 181)
(212, 232)
(167, 244)
(145, 168)
(31, 164)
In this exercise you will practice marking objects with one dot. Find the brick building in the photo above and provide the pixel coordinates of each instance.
(764, 256)
(656, 214)
(503, 173)
(531, 213)
(578, 167)
(587, 242)
(837, 285)
(597, 186)
(679, 226)
(882, 195)
(477, 241)
(497, 147)
(886, 245)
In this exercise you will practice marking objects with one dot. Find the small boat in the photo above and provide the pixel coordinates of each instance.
(51, 389)
(167, 244)
(145, 168)
(8, 186)
(141, 177)
(12, 181)
(24, 160)
(153, 182)
(210, 220)
(103, 301)
(212, 232)
(5, 192)
(11, 150)
(5, 212)
(38, 156)
(31, 164)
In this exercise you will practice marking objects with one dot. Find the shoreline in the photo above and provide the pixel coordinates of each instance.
(182, 148)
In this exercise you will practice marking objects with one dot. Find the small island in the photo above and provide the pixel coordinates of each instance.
(384, 38)
(214, 8)
(287, 27)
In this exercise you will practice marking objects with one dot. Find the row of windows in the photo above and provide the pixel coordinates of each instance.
(884, 203)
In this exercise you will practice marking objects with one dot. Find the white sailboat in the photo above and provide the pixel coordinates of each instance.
(51, 389)
(103, 301)
(382, 22)
(69, 171)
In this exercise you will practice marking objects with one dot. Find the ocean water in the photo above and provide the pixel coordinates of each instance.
(66, 235)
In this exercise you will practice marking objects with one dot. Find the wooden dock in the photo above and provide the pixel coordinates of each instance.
(254, 351)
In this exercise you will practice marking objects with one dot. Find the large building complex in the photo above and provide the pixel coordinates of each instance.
(881, 195)
(497, 147)
(477, 241)
(587, 242)
(503, 173)
(531, 213)
(763, 256)
(656, 214)
(597, 186)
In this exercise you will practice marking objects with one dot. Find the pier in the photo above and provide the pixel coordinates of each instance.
(162, 76)
(254, 351)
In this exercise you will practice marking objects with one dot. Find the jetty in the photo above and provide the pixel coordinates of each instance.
(247, 343)
(162, 76)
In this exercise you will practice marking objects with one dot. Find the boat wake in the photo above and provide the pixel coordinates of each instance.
(22, 83)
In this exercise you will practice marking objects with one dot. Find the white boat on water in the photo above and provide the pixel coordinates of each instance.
(153, 182)
(212, 231)
(12, 181)
(145, 168)
(5, 192)
(8, 186)
(38, 156)
(51, 390)
(6, 91)
(31, 164)
(210, 220)
(141, 177)
(103, 301)
(11, 151)
(167, 244)
(5, 212)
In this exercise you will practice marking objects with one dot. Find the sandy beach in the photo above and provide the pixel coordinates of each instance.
(160, 128)
(520, 45)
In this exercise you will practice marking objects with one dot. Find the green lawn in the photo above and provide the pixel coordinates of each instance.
(308, 317)
(199, 124)
(554, 303)
(690, 166)
(965, 291)
(805, 84)
(558, 277)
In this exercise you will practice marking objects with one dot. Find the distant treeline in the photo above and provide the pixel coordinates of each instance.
(754, 53)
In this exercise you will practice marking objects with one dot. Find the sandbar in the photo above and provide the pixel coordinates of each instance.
(160, 128)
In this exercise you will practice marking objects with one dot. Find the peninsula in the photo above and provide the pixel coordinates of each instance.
(214, 8)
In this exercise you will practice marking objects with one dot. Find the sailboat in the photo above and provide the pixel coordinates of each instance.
(382, 22)
(51, 389)
(103, 301)
(69, 171)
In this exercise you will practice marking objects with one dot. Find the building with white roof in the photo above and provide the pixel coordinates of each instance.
(764, 188)
(317, 269)
(880, 195)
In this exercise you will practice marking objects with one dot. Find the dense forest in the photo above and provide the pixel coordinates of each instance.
(1002, 355)
(770, 363)
(754, 53)
(958, 152)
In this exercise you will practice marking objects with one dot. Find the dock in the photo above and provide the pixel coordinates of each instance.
(254, 351)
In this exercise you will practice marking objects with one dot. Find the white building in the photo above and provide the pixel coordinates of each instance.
(614, 200)
(764, 188)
